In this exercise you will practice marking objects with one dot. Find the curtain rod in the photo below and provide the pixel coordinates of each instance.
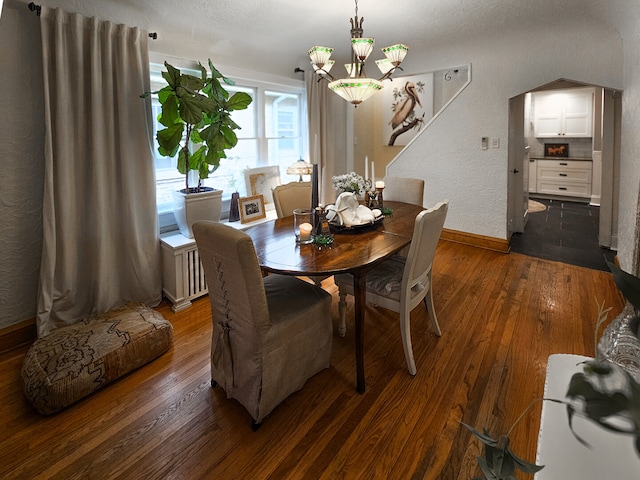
(37, 8)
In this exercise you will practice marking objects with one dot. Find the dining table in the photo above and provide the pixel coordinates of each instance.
(354, 250)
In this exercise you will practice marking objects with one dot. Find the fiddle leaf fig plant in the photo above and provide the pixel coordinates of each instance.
(196, 111)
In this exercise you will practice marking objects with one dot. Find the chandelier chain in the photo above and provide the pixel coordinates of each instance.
(357, 86)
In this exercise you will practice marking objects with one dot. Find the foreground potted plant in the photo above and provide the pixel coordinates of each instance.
(605, 393)
(196, 113)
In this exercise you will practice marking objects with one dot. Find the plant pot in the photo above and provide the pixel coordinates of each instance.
(189, 208)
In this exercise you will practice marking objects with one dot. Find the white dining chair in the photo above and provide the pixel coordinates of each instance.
(401, 283)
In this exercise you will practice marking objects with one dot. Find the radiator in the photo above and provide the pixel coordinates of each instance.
(195, 283)
(182, 273)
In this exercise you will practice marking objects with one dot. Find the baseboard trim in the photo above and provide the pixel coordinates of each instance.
(489, 243)
(17, 335)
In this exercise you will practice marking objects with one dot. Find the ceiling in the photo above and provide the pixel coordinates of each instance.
(274, 35)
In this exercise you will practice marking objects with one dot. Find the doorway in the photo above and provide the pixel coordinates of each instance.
(581, 231)
(563, 231)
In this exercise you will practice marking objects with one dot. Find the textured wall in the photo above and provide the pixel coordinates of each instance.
(21, 162)
(448, 154)
(627, 16)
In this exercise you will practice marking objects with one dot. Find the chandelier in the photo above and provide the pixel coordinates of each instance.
(357, 87)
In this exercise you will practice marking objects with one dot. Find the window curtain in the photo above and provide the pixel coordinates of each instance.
(325, 117)
(100, 235)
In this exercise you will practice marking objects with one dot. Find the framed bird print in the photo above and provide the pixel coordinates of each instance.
(408, 106)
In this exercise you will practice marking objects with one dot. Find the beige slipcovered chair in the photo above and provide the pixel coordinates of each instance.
(400, 189)
(271, 334)
(401, 283)
(290, 196)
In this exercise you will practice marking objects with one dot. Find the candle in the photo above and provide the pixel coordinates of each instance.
(316, 150)
(366, 168)
(305, 232)
(323, 198)
(373, 172)
(379, 184)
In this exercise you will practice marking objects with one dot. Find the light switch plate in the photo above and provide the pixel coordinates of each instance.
(495, 142)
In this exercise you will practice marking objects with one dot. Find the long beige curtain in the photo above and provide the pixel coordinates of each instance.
(327, 132)
(100, 245)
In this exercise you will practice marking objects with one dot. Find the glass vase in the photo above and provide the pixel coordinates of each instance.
(620, 345)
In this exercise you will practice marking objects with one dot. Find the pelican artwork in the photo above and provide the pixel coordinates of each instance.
(404, 111)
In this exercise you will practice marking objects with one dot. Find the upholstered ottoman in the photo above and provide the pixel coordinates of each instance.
(74, 361)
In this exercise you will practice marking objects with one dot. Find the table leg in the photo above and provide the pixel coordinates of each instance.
(360, 299)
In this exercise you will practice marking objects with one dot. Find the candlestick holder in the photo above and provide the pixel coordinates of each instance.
(302, 225)
(380, 203)
(321, 224)
(373, 199)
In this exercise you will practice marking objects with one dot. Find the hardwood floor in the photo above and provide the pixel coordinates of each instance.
(501, 315)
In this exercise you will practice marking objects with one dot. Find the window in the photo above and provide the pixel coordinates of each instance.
(271, 133)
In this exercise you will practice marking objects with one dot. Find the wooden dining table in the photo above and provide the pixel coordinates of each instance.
(353, 251)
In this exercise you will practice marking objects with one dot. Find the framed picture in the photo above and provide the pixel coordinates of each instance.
(251, 208)
(556, 149)
(260, 181)
(407, 105)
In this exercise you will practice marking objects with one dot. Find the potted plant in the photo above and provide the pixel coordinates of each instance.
(605, 393)
(196, 116)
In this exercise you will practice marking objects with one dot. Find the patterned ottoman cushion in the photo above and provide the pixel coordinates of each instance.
(74, 361)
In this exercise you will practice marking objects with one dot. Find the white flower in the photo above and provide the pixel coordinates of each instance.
(351, 182)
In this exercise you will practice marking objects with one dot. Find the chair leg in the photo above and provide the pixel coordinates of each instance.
(342, 313)
(405, 331)
(428, 302)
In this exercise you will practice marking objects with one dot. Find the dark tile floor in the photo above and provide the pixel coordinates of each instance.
(566, 232)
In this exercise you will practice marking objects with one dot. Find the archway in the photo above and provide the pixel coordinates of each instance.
(603, 158)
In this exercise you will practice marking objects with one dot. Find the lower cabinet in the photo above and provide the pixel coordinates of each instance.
(571, 178)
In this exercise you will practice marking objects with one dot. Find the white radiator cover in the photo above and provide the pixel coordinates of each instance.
(182, 273)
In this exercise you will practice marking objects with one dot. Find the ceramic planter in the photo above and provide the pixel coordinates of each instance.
(192, 207)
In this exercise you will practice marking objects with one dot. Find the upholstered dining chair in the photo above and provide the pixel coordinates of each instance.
(271, 334)
(290, 196)
(400, 189)
(401, 283)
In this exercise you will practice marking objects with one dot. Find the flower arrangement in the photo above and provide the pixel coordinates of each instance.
(351, 182)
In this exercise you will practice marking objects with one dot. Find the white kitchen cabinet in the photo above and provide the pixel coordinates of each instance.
(565, 113)
(571, 178)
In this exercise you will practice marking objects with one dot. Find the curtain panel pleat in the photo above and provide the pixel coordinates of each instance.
(100, 245)
(322, 138)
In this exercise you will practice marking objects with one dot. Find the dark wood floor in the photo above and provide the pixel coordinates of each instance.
(502, 315)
